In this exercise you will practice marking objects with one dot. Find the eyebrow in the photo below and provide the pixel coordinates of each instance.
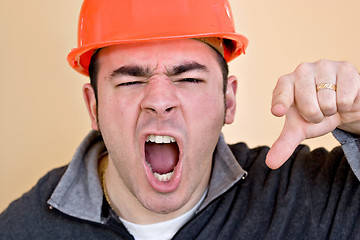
(188, 66)
(138, 71)
(131, 70)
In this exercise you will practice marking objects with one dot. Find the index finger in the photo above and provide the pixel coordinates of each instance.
(283, 95)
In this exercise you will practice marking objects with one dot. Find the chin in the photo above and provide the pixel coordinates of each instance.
(164, 205)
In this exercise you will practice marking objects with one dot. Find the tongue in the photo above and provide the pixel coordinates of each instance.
(162, 157)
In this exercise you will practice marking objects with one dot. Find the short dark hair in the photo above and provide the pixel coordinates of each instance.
(94, 68)
(93, 72)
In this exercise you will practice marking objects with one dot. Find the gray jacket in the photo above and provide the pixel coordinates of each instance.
(315, 195)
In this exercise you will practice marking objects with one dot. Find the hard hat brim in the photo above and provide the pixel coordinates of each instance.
(79, 58)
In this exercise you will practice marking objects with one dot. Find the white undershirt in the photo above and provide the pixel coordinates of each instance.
(163, 230)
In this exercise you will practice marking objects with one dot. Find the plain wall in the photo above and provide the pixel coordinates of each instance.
(43, 117)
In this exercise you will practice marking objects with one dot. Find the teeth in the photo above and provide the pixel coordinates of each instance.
(166, 139)
(151, 138)
(160, 139)
(164, 177)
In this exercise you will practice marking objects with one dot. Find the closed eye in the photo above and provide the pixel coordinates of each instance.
(191, 80)
(124, 84)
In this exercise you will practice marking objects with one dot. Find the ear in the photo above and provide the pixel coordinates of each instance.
(90, 101)
(230, 99)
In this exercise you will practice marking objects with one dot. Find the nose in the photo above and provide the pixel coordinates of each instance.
(160, 98)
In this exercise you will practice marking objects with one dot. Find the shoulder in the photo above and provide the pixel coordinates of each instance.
(30, 209)
(304, 165)
(302, 157)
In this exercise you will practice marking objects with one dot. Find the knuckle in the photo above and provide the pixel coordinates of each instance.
(347, 67)
(323, 64)
(344, 103)
(303, 69)
(328, 109)
(326, 106)
(326, 67)
(312, 114)
(348, 72)
(283, 79)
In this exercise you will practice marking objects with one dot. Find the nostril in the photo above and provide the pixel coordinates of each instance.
(159, 111)
(169, 109)
(152, 110)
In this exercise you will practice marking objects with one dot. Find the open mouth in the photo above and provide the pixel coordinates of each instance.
(162, 155)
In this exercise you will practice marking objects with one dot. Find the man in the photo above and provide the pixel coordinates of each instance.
(157, 167)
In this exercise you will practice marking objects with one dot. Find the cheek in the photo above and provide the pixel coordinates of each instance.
(117, 121)
(209, 108)
(207, 118)
(117, 110)
(118, 115)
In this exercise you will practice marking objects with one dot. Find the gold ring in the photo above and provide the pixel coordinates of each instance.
(329, 86)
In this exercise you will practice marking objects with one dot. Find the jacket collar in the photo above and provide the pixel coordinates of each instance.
(79, 193)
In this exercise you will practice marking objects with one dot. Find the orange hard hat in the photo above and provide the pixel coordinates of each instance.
(108, 22)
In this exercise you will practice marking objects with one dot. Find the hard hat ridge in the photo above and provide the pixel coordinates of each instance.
(108, 22)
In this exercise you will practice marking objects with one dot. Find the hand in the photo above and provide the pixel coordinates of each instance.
(311, 113)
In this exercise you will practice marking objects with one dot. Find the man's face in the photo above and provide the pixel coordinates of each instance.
(160, 111)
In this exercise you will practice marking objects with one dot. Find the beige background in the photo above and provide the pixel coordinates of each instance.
(43, 117)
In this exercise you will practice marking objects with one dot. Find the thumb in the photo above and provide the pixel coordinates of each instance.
(290, 137)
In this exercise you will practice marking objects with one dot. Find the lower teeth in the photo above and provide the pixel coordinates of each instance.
(163, 177)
